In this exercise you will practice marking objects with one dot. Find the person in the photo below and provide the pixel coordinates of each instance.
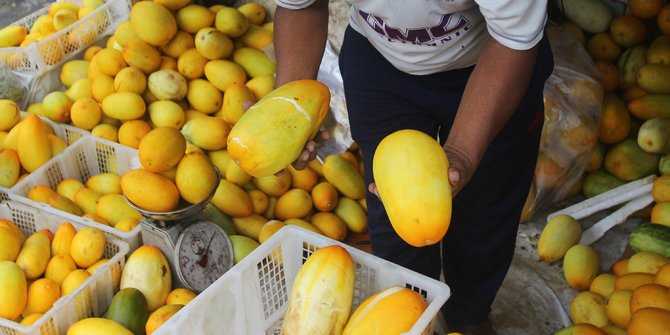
(469, 73)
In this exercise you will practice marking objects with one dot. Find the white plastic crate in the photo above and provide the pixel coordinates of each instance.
(40, 57)
(67, 133)
(90, 299)
(88, 156)
(251, 298)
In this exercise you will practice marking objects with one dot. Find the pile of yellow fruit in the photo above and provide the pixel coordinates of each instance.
(59, 16)
(25, 144)
(37, 270)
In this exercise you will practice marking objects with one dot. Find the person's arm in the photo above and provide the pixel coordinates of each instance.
(300, 40)
(493, 92)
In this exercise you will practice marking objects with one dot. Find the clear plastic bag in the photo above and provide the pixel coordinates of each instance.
(573, 97)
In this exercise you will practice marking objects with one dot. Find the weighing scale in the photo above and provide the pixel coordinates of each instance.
(198, 250)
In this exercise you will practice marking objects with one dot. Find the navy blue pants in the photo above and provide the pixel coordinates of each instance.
(478, 248)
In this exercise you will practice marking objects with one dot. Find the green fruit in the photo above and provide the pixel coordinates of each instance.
(664, 165)
(242, 246)
(129, 308)
(627, 161)
(599, 181)
(651, 237)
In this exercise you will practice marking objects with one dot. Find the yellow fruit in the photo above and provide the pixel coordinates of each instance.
(633, 280)
(150, 191)
(663, 275)
(10, 114)
(273, 185)
(235, 174)
(262, 86)
(417, 196)
(645, 9)
(12, 36)
(73, 70)
(86, 113)
(34, 255)
(64, 18)
(98, 326)
(11, 244)
(142, 55)
(87, 200)
(235, 97)
(181, 42)
(353, 214)
(347, 180)
(588, 307)
(646, 262)
(232, 200)
(29, 320)
(649, 320)
(254, 12)
(173, 4)
(42, 294)
(88, 246)
(204, 96)
(330, 225)
(213, 44)
(602, 47)
(191, 64)
(130, 79)
(194, 17)
(295, 203)
(558, 235)
(322, 294)
(40, 193)
(13, 290)
(325, 196)
(91, 269)
(394, 310)
(101, 87)
(132, 132)
(251, 226)
(617, 307)
(181, 296)
(161, 149)
(148, 270)
(127, 224)
(106, 131)
(10, 167)
(124, 106)
(62, 241)
(603, 284)
(231, 21)
(64, 204)
(581, 264)
(153, 23)
(262, 148)
(303, 224)
(208, 133)
(196, 177)
(160, 316)
(57, 106)
(268, 229)
(259, 201)
(105, 183)
(627, 30)
(109, 61)
(650, 295)
(255, 62)
(97, 218)
(256, 37)
(166, 113)
(224, 73)
(82, 88)
(167, 85)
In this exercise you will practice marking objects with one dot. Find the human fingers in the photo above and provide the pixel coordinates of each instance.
(372, 187)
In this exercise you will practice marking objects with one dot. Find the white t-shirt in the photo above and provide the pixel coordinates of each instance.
(428, 36)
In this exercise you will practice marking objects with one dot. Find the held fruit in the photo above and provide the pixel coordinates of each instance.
(410, 170)
(272, 133)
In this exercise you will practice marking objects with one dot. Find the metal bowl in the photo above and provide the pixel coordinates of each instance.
(184, 209)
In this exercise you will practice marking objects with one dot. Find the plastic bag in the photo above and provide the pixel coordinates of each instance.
(573, 97)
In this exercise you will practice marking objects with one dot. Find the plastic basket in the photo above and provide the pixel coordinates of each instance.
(90, 299)
(42, 56)
(88, 156)
(252, 296)
(67, 133)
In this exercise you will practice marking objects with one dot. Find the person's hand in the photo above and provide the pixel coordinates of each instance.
(461, 168)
